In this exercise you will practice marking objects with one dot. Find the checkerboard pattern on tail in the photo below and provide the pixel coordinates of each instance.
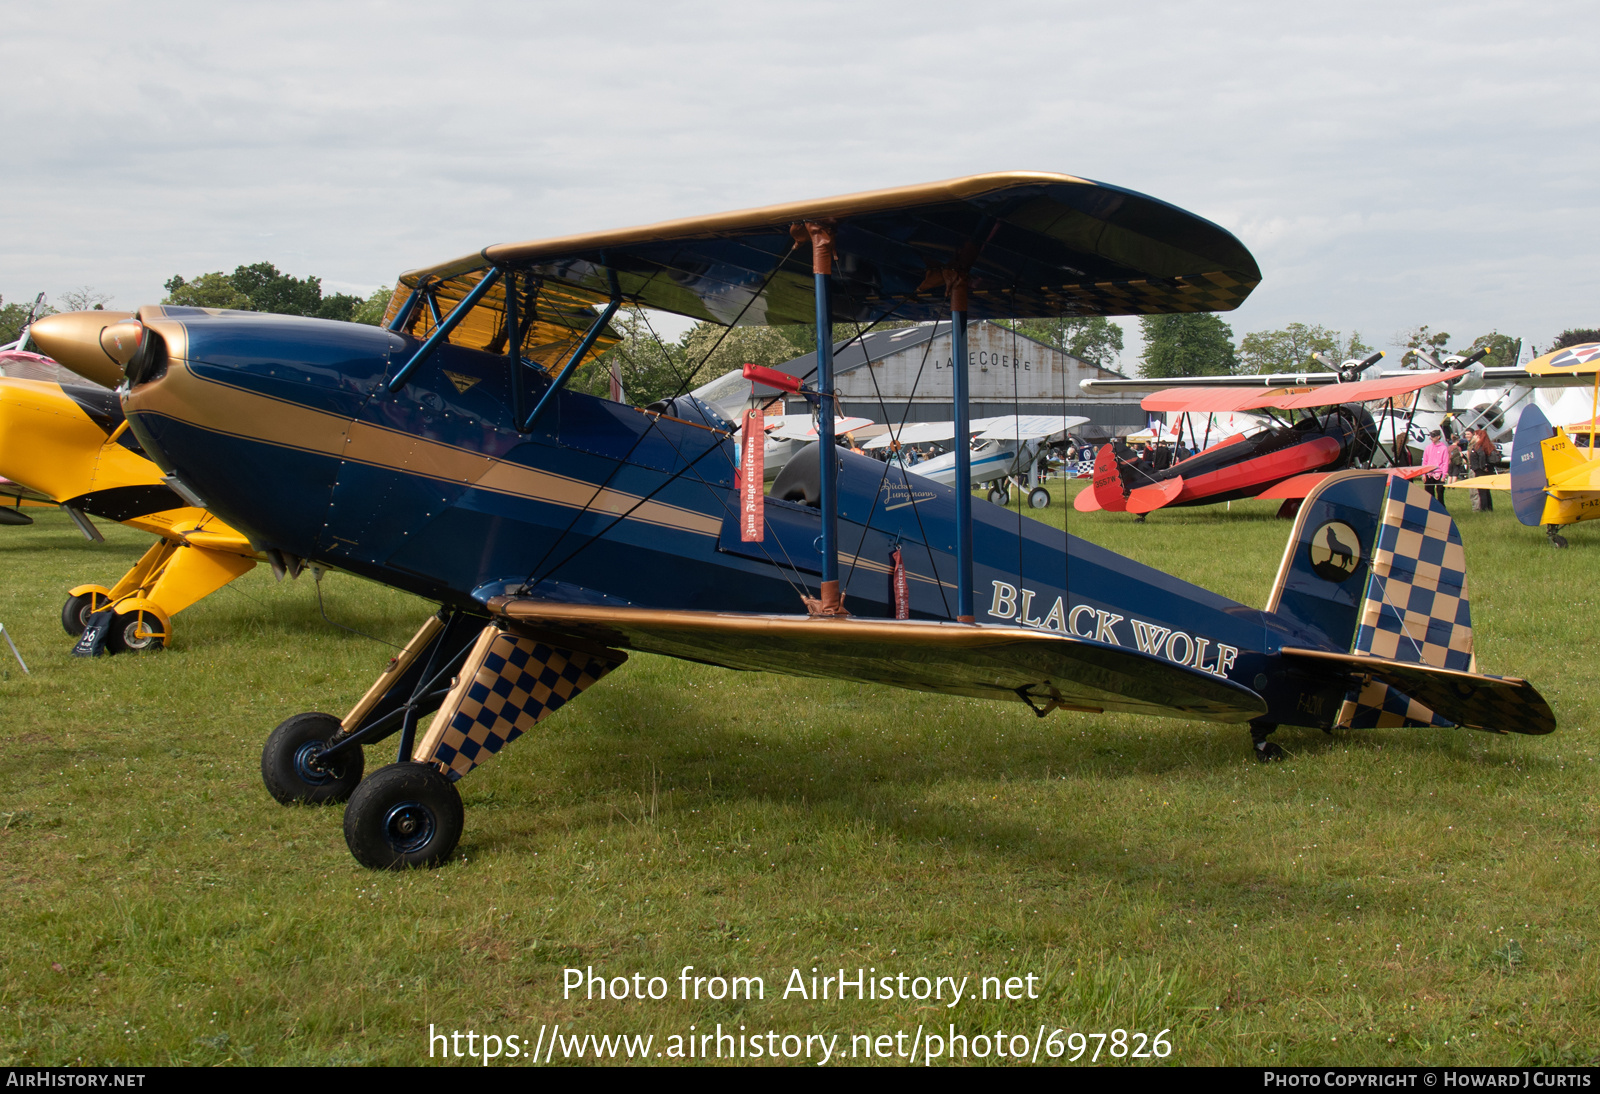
(507, 684)
(1415, 608)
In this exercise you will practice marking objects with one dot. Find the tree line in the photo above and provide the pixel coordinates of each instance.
(261, 286)
(653, 367)
(1201, 344)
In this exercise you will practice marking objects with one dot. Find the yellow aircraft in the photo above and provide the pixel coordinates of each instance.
(68, 445)
(1554, 478)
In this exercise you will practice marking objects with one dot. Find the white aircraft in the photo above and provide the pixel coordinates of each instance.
(1011, 444)
(789, 433)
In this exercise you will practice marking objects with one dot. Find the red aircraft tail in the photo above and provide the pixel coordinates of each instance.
(1108, 481)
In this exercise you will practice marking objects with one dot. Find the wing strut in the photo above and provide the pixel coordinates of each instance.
(442, 331)
(577, 356)
(957, 280)
(821, 235)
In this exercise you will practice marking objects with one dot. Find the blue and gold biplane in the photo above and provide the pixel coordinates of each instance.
(446, 455)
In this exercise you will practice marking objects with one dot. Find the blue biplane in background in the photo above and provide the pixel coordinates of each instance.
(444, 454)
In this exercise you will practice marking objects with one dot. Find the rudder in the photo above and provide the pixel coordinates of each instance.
(1528, 479)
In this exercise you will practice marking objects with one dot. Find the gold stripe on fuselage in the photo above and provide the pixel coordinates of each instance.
(218, 407)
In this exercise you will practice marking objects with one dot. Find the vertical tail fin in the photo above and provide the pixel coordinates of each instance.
(1375, 566)
(1107, 483)
(1528, 478)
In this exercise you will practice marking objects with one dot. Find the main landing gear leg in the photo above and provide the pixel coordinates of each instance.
(1266, 751)
(409, 813)
(316, 758)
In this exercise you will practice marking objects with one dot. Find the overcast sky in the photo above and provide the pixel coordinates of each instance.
(1388, 164)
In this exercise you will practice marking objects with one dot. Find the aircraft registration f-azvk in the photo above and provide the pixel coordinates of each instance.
(558, 531)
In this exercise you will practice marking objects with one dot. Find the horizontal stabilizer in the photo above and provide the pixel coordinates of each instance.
(1498, 704)
(1152, 496)
(1501, 481)
(1044, 669)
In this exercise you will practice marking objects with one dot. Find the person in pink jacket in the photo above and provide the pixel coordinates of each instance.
(1436, 464)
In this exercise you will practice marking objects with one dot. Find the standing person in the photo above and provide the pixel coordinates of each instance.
(1435, 464)
(1481, 459)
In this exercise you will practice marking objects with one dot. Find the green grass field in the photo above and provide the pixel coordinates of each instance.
(1415, 896)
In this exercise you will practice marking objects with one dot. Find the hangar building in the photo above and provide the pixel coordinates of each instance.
(906, 372)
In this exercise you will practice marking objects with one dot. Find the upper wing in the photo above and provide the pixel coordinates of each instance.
(1033, 244)
(914, 433)
(1260, 383)
(987, 662)
(1025, 427)
(802, 427)
(1211, 398)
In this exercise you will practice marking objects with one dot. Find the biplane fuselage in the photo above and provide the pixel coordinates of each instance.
(283, 426)
(444, 455)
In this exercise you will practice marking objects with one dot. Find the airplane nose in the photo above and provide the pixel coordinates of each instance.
(74, 339)
(122, 340)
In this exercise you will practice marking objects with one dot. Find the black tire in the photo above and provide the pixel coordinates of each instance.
(1039, 498)
(998, 496)
(404, 815)
(75, 613)
(124, 636)
(292, 771)
(1269, 753)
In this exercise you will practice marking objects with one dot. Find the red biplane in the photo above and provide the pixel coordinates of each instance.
(1286, 460)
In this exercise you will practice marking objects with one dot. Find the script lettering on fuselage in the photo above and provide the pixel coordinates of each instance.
(1083, 621)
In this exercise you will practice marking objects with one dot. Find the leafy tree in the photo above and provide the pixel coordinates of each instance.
(12, 316)
(1423, 339)
(1291, 349)
(1091, 338)
(655, 369)
(272, 291)
(1575, 337)
(651, 369)
(1187, 344)
(1503, 349)
(711, 350)
(372, 308)
(211, 290)
(261, 286)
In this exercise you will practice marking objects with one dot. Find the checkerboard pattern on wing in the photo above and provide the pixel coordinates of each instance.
(1416, 607)
(518, 682)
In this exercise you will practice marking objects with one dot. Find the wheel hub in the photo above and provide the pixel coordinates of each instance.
(311, 768)
(409, 826)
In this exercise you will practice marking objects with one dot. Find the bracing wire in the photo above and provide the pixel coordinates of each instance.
(622, 462)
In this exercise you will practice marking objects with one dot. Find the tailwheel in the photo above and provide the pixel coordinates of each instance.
(294, 770)
(403, 815)
(999, 495)
(1266, 751)
(1556, 538)
(76, 611)
(1039, 498)
(135, 632)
